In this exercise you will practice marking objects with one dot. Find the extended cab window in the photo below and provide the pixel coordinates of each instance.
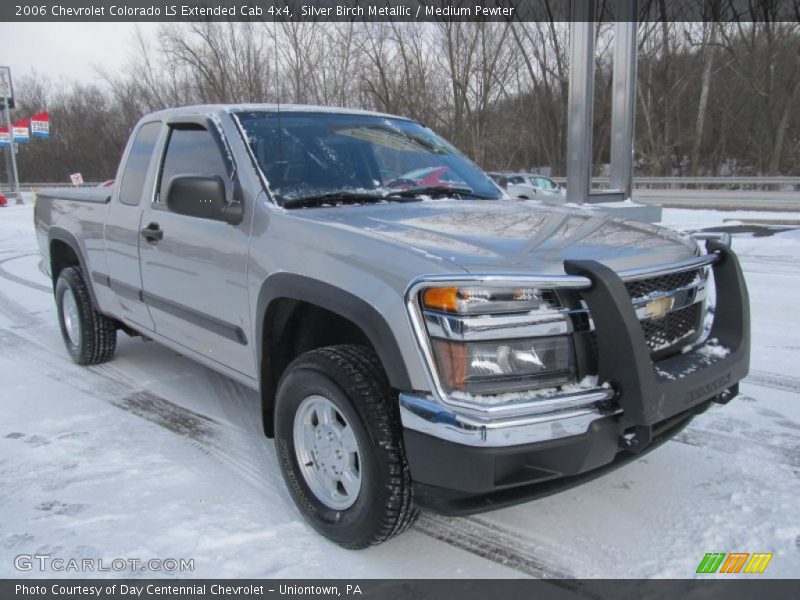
(191, 151)
(132, 183)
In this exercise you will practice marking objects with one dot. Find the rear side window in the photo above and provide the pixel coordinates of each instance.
(130, 188)
(191, 152)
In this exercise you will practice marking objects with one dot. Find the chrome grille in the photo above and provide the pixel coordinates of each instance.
(664, 336)
(662, 283)
(675, 327)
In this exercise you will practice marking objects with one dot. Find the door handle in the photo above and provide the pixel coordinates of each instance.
(153, 233)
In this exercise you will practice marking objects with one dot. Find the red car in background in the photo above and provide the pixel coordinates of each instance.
(429, 176)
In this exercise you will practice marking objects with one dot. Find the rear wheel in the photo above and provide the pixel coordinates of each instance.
(340, 446)
(89, 336)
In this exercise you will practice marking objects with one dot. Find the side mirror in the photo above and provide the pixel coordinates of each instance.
(202, 197)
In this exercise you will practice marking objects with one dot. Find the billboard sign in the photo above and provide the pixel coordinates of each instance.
(40, 125)
(22, 131)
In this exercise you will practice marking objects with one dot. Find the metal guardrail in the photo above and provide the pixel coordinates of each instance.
(28, 187)
(778, 183)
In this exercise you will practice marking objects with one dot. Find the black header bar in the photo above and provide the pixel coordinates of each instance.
(385, 10)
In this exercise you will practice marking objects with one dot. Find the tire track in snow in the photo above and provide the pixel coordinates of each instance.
(19, 315)
(480, 536)
(777, 381)
(209, 436)
(731, 445)
(765, 258)
(21, 280)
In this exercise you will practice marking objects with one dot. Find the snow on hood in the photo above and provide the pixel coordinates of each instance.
(511, 236)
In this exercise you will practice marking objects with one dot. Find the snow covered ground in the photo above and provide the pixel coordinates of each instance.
(152, 455)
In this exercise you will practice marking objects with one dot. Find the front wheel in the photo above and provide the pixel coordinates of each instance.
(89, 336)
(340, 446)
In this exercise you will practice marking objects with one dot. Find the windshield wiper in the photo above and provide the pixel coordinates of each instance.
(409, 195)
(343, 196)
(339, 196)
(437, 190)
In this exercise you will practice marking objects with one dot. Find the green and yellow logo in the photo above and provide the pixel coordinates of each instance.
(735, 562)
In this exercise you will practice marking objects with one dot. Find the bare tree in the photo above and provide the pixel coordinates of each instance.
(765, 57)
(707, 43)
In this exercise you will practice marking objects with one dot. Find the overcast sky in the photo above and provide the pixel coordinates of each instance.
(67, 49)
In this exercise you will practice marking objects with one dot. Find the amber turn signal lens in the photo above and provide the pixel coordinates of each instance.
(441, 298)
(452, 361)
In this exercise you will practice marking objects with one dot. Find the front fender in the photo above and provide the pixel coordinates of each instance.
(344, 304)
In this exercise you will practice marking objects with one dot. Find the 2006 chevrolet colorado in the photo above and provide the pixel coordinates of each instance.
(418, 338)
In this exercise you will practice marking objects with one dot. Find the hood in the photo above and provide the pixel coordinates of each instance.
(511, 236)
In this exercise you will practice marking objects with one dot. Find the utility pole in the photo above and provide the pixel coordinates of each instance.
(623, 101)
(7, 98)
(581, 101)
(11, 159)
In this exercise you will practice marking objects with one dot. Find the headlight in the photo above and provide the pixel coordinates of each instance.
(494, 367)
(488, 341)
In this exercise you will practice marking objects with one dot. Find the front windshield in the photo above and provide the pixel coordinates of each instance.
(309, 155)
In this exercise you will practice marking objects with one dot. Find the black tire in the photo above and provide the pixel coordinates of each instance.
(98, 333)
(353, 379)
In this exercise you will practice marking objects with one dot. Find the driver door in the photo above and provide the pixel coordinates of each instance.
(194, 270)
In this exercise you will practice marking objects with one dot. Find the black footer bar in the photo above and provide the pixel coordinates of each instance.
(717, 586)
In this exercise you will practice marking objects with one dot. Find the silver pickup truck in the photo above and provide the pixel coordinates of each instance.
(418, 339)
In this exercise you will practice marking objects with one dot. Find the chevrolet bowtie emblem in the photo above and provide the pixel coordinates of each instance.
(655, 309)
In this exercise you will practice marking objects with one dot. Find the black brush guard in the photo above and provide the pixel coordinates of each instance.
(648, 392)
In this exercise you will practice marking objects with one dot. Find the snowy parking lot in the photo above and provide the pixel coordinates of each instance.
(154, 456)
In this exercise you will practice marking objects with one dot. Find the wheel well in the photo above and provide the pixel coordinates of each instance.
(61, 256)
(291, 328)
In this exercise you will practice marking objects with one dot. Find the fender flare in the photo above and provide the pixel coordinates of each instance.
(344, 304)
(62, 235)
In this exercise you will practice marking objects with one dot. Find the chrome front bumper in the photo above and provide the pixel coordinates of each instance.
(541, 420)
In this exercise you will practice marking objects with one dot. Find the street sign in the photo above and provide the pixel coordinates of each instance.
(76, 179)
(6, 88)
